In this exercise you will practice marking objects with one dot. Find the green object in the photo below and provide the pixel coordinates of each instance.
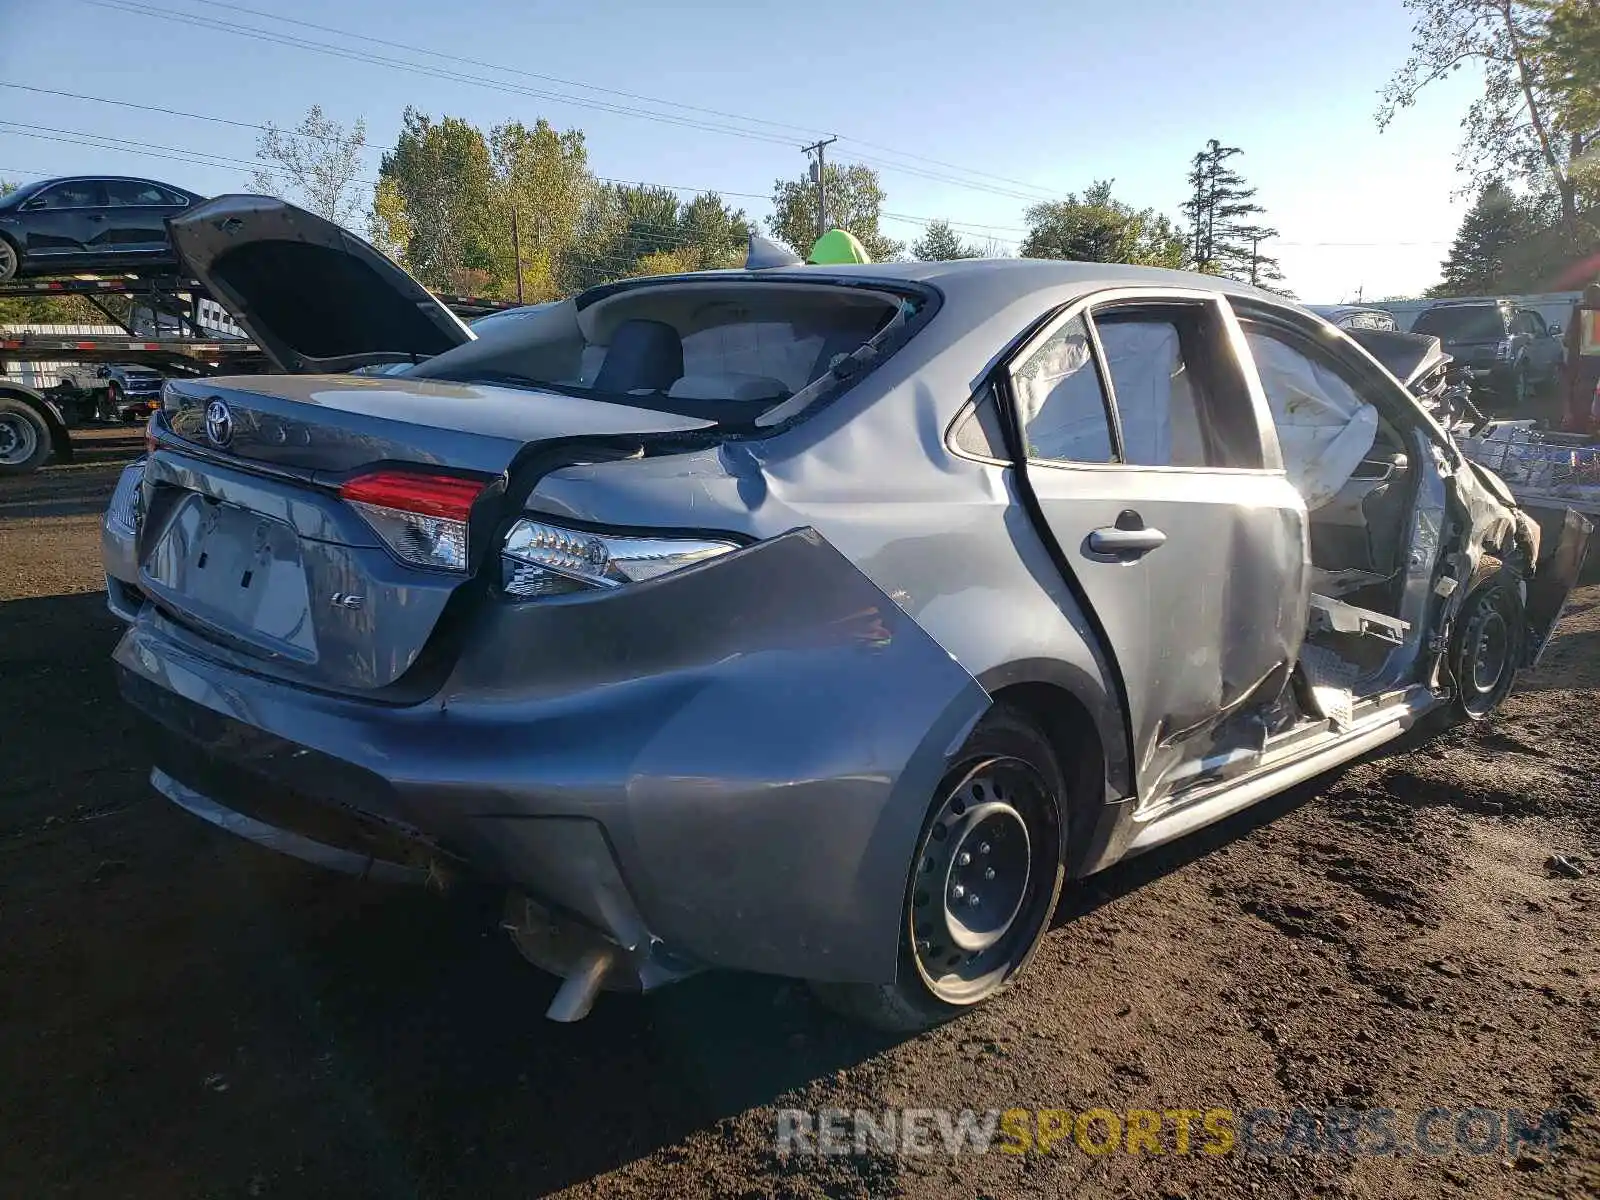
(838, 246)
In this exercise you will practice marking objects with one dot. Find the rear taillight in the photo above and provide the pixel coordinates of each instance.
(421, 517)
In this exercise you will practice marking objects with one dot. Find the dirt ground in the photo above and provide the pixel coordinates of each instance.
(183, 1014)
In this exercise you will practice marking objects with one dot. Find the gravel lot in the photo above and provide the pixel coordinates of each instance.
(187, 1015)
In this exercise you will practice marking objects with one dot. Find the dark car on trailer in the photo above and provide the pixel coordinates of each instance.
(85, 223)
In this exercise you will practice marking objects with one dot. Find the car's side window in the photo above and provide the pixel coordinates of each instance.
(1060, 403)
(133, 193)
(1534, 322)
(74, 194)
(1179, 394)
(1155, 391)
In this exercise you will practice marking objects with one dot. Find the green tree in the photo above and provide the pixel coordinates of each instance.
(315, 165)
(715, 234)
(1097, 228)
(543, 177)
(1485, 245)
(1224, 240)
(440, 192)
(1568, 59)
(1536, 116)
(855, 204)
(940, 243)
(629, 229)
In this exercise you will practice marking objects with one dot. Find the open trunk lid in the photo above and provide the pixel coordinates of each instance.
(313, 296)
(315, 527)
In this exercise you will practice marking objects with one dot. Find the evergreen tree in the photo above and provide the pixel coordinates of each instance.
(941, 244)
(1490, 238)
(1223, 239)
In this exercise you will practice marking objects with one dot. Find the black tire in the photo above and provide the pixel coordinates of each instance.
(25, 441)
(1489, 641)
(968, 834)
(10, 260)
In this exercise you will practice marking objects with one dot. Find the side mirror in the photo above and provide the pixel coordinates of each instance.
(33, 205)
(1555, 329)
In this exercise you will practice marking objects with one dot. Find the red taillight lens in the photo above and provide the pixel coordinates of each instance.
(447, 496)
(422, 517)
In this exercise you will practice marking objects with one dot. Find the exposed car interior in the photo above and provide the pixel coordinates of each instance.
(1351, 462)
(1347, 460)
(723, 352)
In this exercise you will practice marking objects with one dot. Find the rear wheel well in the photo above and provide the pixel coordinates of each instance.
(1071, 731)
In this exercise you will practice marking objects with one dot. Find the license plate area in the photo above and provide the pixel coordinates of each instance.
(237, 571)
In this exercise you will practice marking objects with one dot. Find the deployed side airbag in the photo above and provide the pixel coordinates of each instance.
(1324, 428)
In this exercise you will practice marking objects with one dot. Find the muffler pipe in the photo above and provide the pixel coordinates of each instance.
(576, 995)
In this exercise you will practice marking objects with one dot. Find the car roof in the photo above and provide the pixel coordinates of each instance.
(1000, 279)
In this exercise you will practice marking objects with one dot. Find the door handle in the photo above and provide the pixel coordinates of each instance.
(1111, 540)
(96, 217)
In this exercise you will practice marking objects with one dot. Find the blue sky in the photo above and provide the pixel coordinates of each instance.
(1049, 93)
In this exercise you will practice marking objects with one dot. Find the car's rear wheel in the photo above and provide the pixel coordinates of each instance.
(24, 438)
(10, 260)
(982, 886)
(1489, 641)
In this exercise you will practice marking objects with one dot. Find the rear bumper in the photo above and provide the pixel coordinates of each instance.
(728, 767)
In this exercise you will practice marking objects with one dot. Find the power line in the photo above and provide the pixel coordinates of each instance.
(257, 164)
(784, 125)
(178, 112)
(476, 62)
(138, 9)
(423, 69)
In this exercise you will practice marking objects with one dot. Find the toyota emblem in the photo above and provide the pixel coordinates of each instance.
(219, 423)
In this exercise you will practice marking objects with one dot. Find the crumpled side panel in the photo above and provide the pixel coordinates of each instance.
(760, 738)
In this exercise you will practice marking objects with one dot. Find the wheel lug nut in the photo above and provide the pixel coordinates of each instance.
(984, 848)
(972, 900)
(958, 891)
(963, 859)
(988, 873)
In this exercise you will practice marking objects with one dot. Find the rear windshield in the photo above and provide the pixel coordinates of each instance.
(1468, 323)
(725, 350)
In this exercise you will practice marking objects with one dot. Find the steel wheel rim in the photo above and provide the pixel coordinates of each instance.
(964, 951)
(1487, 654)
(18, 439)
(1490, 651)
(8, 260)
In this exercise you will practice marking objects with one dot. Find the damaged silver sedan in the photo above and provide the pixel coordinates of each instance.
(816, 621)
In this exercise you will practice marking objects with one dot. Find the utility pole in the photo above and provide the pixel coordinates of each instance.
(516, 249)
(819, 173)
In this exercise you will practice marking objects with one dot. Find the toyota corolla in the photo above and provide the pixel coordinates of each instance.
(818, 621)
